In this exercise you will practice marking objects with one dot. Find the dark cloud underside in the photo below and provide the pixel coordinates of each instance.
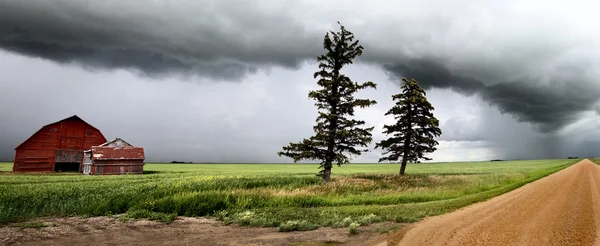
(548, 106)
(531, 66)
(103, 36)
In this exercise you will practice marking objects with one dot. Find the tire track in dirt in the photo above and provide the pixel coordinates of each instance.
(560, 209)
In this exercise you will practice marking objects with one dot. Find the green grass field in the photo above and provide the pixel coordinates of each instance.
(5, 166)
(284, 195)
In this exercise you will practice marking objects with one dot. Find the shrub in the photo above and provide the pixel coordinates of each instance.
(295, 225)
(353, 228)
(344, 223)
(249, 218)
(368, 219)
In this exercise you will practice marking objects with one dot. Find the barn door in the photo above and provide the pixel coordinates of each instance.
(87, 162)
(68, 160)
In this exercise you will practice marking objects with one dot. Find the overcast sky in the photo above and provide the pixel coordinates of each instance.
(227, 81)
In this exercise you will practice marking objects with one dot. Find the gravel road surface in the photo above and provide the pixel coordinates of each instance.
(561, 209)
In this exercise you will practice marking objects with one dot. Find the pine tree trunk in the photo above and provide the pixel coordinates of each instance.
(332, 132)
(405, 157)
(403, 166)
(406, 145)
(326, 173)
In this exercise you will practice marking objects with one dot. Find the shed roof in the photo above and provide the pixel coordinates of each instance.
(112, 153)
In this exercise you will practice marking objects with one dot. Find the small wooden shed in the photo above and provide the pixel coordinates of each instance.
(57, 146)
(114, 157)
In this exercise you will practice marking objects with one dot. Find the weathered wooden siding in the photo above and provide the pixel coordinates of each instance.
(61, 141)
(86, 165)
(110, 167)
(40, 160)
(71, 135)
(115, 157)
(68, 156)
(46, 138)
(37, 153)
(92, 137)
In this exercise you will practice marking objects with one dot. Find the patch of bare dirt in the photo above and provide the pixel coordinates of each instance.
(184, 231)
(561, 209)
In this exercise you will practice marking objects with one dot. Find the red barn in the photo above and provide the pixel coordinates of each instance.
(114, 157)
(57, 147)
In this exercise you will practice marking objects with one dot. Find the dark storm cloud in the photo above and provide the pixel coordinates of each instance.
(548, 105)
(502, 53)
(206, 38)
(432, 74)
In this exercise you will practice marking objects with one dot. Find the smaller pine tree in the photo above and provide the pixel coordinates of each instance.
(413, 135)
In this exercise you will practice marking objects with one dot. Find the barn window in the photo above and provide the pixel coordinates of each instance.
(89, 132)
(54, 130)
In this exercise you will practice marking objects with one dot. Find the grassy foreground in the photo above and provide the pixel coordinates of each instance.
(287, 196)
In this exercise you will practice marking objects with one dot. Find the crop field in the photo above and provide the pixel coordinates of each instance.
(5, 166)
(288, 196)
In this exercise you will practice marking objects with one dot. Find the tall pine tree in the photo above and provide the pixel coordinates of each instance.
(336, 135)
(413, 135)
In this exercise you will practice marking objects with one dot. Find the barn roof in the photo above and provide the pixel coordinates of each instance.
(112, 153)
(74, 118)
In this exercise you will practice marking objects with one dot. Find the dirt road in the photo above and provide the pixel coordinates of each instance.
(561, 209)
